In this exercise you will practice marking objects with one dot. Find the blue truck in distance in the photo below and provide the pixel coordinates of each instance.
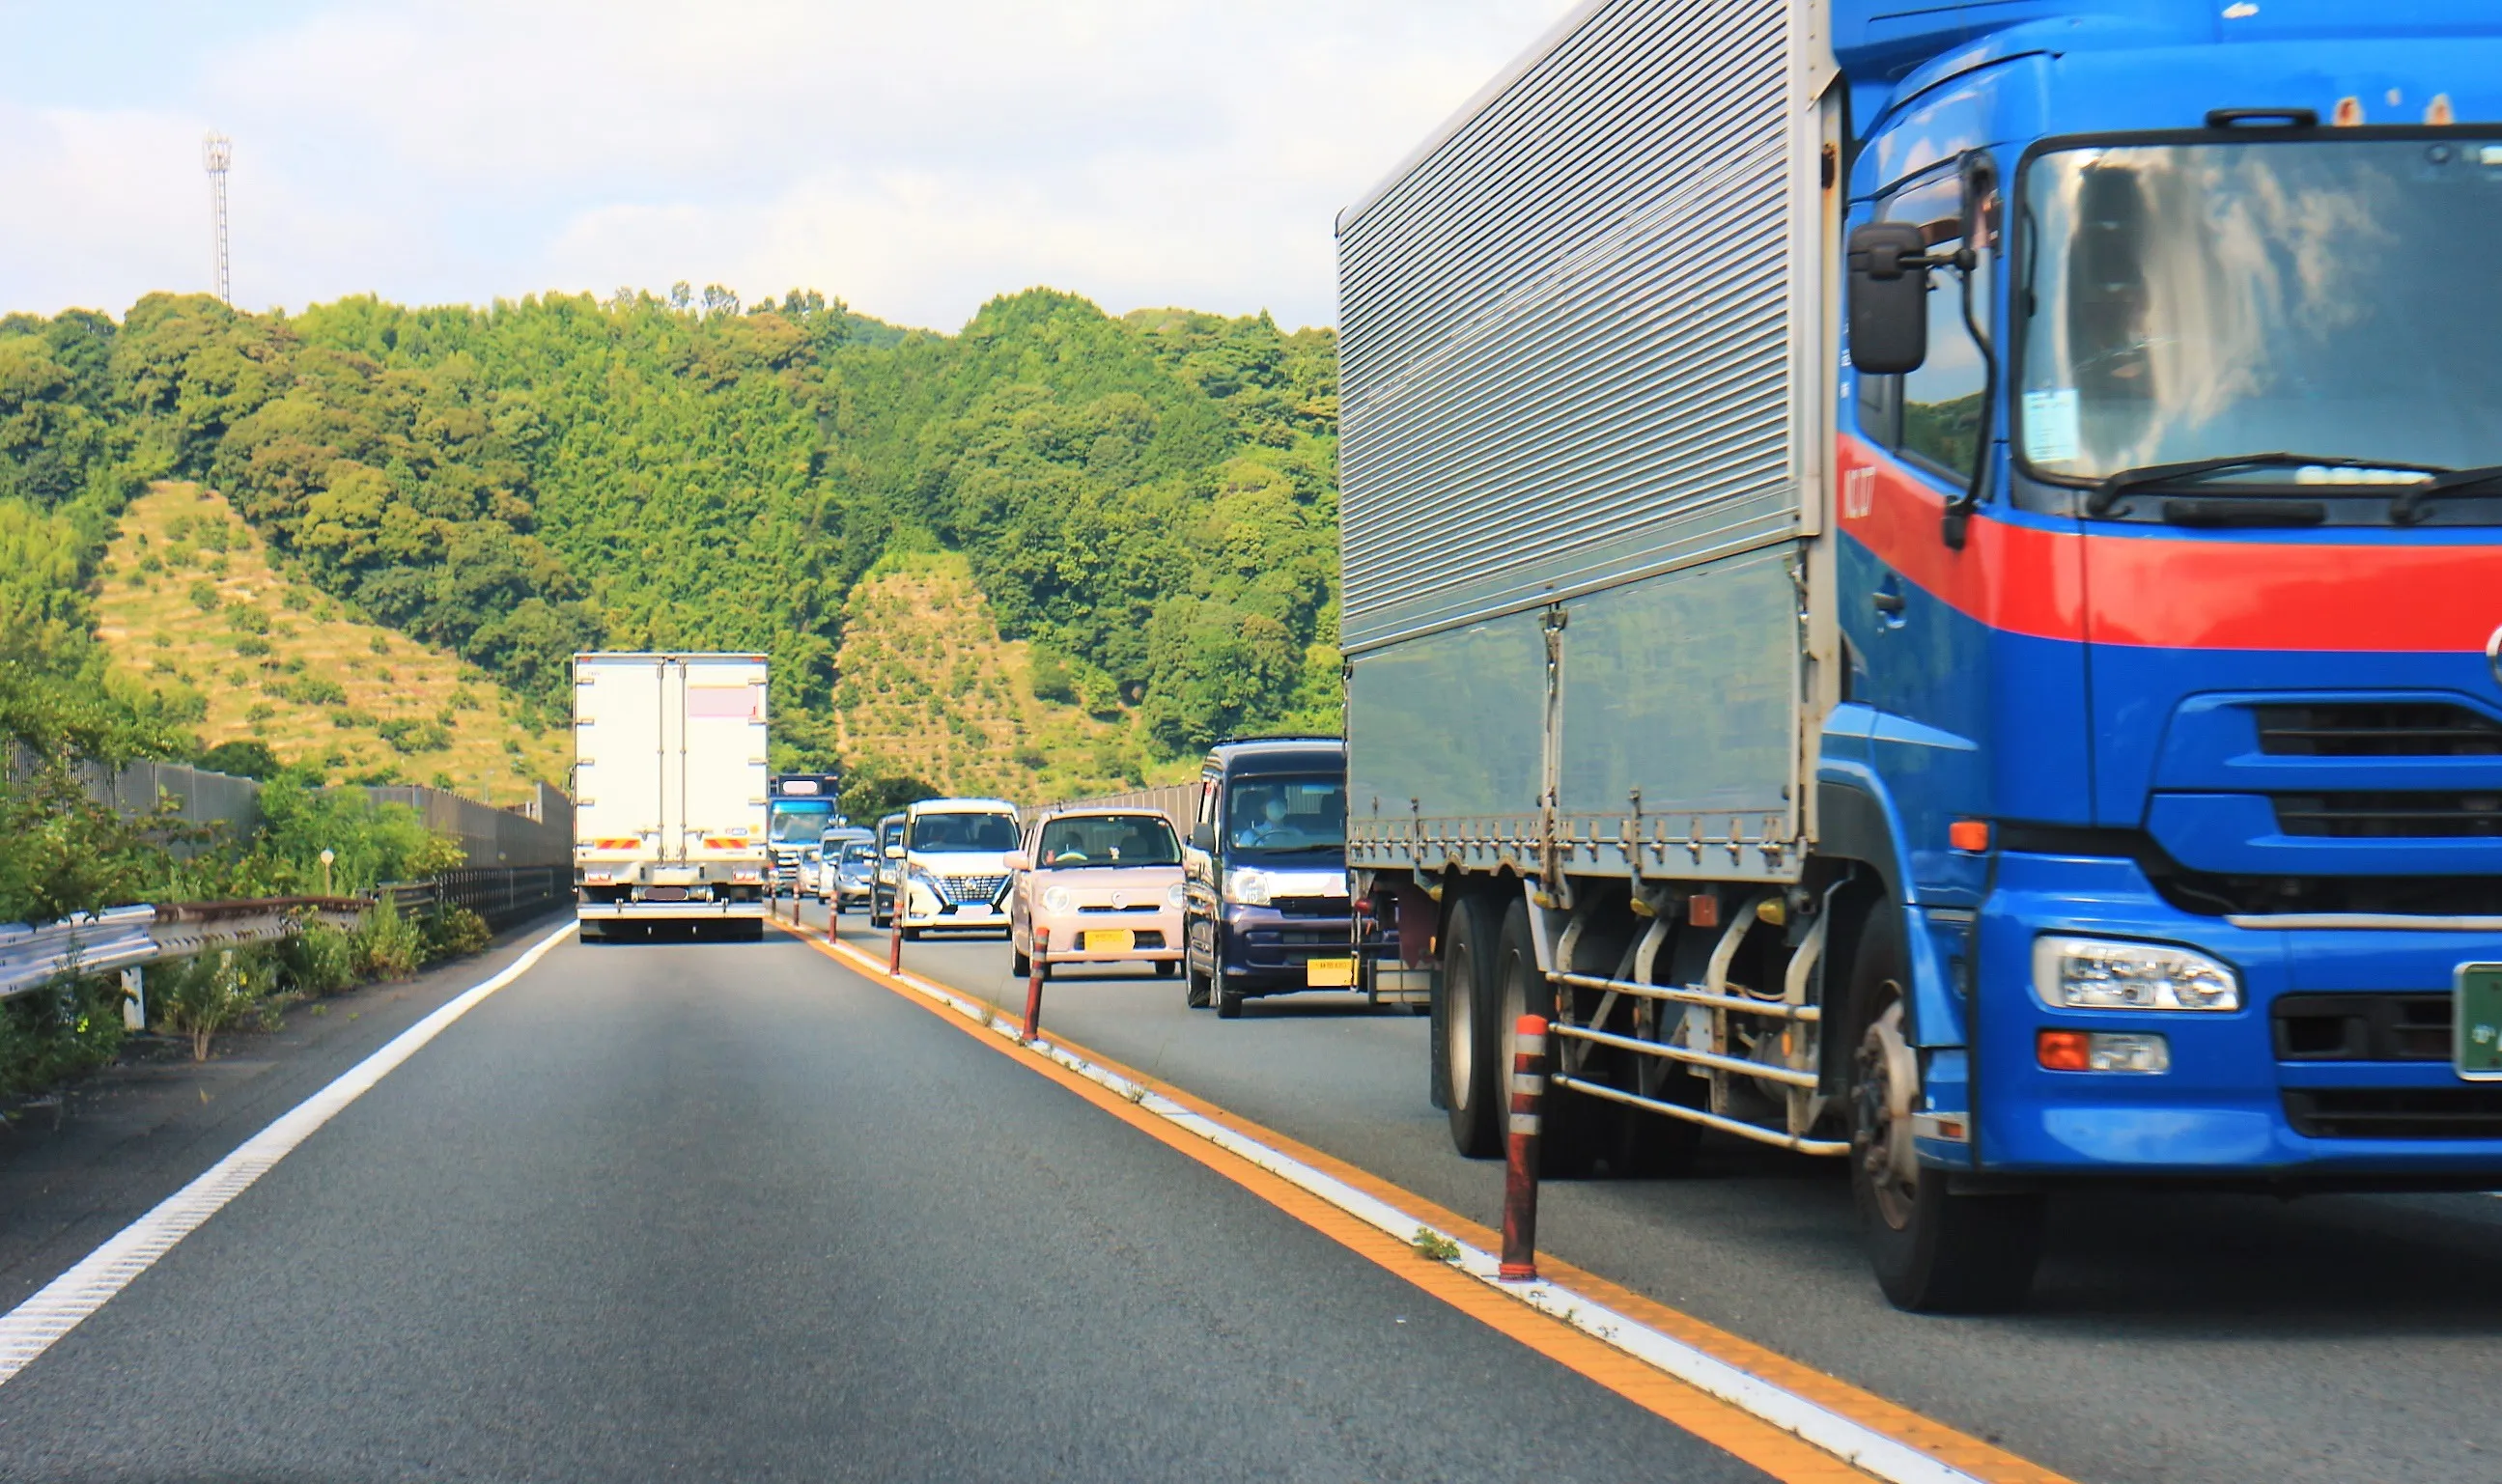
(799, 808)
(1926, 581)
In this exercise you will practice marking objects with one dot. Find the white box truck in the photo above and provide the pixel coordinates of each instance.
(670, 785)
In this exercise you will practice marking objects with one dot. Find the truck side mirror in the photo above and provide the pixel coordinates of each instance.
(1204, 837)
(1890, 298)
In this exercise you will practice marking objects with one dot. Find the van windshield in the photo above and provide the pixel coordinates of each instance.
(1281, 816)
(1117, 839)
(988, 833)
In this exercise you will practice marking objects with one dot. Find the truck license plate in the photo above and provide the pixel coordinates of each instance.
(1110, 940)
(2478, 1015)
(1330, 974)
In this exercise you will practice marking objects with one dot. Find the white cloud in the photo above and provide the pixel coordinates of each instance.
(913, 159)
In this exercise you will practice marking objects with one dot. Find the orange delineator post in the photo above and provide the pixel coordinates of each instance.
(1520, 1178)
(1033, 983)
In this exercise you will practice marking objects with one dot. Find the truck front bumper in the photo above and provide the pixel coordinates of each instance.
(2242, 1100)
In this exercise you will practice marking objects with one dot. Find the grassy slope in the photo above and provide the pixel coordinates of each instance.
(453, 723)
(928, 688)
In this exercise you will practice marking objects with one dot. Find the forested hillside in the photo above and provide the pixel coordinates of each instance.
(1146, 503)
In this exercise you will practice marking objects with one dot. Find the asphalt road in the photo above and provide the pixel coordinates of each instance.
(728, 1212)
(2170, 1338)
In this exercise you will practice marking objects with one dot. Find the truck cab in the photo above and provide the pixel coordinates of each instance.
(1264, 875)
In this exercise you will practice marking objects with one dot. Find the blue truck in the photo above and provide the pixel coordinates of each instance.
(1926, 582)
(799, 808)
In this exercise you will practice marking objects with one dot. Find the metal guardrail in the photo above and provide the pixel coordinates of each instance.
(129, 937)
(502, 894)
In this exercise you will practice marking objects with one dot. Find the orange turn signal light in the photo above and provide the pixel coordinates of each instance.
(2065, 1051)
(1971, 835)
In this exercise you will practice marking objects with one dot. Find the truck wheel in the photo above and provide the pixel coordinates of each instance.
(1568, 1148)
(1472, 1032)
(1934, 1251)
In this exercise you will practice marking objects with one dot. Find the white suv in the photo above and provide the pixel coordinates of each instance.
(954, 866)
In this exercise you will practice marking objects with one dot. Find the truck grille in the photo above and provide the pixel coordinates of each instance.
(2377, 729)
(977, 889)
(2395, 1112)
(2363, 1027)
(2390, 816)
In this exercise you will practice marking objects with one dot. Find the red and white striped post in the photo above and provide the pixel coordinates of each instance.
(1520, 1180)
(895, 943)
(1033, 983)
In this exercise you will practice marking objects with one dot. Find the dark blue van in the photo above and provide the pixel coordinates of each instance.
(1265, 873)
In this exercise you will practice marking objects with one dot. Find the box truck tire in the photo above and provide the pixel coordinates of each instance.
(1934, 1251)
(1470, 1029)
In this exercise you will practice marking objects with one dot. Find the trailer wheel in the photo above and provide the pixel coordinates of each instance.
(1472, 1036)
(1934, 1251)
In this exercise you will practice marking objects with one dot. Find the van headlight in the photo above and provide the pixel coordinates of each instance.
(1179, 895)
(1247, 887)
(1056, 901)
(2071, 973)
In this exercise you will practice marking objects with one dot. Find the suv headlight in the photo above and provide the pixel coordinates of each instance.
(1247, 887)
(2111, 974)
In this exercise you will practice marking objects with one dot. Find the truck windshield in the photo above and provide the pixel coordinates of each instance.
(1111, 840)
(988, 833)
(801, 825)
(1277, 816)
(2334, 296)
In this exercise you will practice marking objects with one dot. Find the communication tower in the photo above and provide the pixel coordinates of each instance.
(218, 154)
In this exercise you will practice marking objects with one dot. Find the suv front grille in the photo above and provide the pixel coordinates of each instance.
(2395, 1112)
(964, 888)
(2381, 1026)
(2391, 815)
(2377, 729)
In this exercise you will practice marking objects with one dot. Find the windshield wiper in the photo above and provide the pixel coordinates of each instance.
(2107, 493)
(2408, 507)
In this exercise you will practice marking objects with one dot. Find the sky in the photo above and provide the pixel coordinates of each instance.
(913, 157)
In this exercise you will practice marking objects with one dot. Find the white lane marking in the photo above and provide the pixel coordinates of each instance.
(30, 1328)
(1855, 1443)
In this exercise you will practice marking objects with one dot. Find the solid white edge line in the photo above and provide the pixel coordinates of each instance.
(1855, 1443)
(32, 1327)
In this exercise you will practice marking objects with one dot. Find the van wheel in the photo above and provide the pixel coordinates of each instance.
(912, 934)
(1164, 969)
(1198, 992)
(1471, 1031)
(1934, 1251)
(1019, 965)
(1229, 1001)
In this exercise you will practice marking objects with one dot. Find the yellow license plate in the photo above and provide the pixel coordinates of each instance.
(1330, 974)
(1110, 940)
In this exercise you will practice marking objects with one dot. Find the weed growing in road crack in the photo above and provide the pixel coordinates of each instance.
(1135, 1092)
(1433, 1247)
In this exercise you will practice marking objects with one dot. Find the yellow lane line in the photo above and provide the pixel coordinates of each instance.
(1772, 1449)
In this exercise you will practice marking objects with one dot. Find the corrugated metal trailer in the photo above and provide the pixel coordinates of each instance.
(1581, 339)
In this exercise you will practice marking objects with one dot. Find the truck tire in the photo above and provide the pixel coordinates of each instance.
(1934, 1251)
(1470, 1040)
(1569, 1147)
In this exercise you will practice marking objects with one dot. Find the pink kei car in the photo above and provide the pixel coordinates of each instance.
(1104, 884)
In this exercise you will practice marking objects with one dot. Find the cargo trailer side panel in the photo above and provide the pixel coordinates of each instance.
(1567, 332)
(619, 744)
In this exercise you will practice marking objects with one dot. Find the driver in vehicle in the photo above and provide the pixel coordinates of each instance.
(1270, 823)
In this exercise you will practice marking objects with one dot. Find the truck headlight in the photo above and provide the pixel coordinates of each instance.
(1057, 899)
(2072, 973)
(1247, 887)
